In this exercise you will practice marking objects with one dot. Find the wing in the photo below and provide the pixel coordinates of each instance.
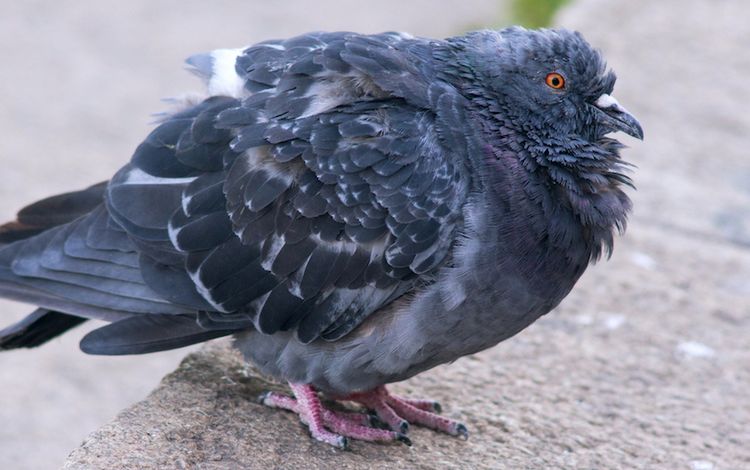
(331, 187)
(51, 212)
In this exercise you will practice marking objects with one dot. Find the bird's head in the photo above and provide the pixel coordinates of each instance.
(544, 98)
(548, 82)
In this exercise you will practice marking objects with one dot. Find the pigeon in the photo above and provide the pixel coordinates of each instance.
(353, 209)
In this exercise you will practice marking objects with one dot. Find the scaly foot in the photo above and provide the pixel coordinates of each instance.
(334, 427)
(398, 412)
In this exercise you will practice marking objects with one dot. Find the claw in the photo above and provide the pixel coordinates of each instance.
(403, 428)
(340, 442)
(403, 438)
(263, 396)
(387, 421)
(461, 431)
(376, 422)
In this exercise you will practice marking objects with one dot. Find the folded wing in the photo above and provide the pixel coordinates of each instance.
(330, 184)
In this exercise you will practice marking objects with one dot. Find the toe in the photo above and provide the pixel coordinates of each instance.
(330, 438)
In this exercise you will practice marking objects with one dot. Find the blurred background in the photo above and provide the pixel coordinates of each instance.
(80, 80)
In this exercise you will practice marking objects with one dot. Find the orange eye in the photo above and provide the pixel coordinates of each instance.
(555, 80)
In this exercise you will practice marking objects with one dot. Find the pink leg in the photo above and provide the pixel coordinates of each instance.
(397, 412)
(376, 400)
(312, 411)
(427, 419)
(333, 427)
(277, 400)
(426, 405)
(343, 424)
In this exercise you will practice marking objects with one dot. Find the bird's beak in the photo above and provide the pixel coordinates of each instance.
(614, 116)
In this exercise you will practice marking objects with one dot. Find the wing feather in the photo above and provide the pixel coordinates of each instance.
(331, 186)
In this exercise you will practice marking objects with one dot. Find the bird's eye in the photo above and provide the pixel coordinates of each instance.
(555, 80)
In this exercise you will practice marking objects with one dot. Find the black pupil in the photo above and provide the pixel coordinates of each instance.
(555, 81)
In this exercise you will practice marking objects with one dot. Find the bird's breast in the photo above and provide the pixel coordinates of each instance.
(500, 281)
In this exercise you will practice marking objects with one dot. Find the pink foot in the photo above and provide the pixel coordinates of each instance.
(333, 427)
(398, 412)
(343, 424)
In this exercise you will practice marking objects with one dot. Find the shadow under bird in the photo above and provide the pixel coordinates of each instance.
(354, 209)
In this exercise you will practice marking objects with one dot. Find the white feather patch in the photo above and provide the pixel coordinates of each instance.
(277, 243)
(138, 176)
(203, 290)
(225, 80)
(173, 232)
(606, 101)
(325, 95)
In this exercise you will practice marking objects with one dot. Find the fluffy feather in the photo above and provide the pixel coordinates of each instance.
(359, 208)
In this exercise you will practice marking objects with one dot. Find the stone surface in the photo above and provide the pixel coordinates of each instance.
(78, 84)
(644, 365)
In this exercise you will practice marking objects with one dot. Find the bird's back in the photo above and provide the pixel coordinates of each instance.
(324, 187)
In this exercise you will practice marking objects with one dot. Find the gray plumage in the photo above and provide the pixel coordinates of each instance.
(355, 208)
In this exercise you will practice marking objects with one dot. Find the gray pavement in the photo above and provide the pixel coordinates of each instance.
(78, 82)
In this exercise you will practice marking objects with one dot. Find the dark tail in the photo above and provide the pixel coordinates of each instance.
(42, 325)
(37, 229)
(52, 212)
(37, 328)
(143, 334)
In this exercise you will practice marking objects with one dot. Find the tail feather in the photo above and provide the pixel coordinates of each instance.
(141, 334)
(49, 258)
(37, 328)
(52, 212)
(43, 324)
